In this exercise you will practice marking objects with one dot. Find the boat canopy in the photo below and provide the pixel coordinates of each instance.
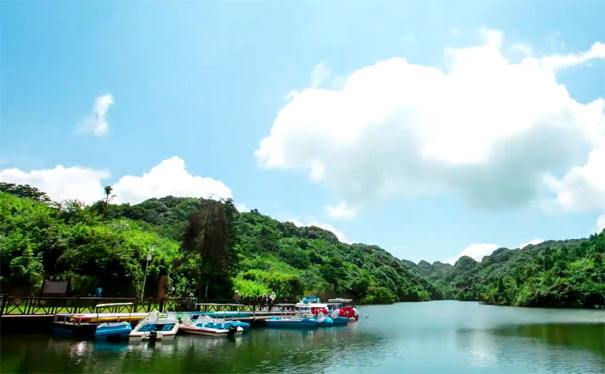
(311, 300)
(340, 301)
(313, 305)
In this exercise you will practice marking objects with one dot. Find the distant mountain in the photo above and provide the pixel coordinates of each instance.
(565, 273)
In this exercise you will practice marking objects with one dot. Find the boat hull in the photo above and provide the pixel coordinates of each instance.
(340, 321)
(113, 331)
(295, 324)
(208, 331)
(155, 330)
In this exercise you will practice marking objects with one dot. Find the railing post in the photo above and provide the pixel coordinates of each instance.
(135, 305)
(4, 300)
(77, 301)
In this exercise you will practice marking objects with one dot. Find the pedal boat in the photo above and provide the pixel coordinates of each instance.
(153, 327)
(207, 326)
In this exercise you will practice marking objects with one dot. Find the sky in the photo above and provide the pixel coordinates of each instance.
(432, 129)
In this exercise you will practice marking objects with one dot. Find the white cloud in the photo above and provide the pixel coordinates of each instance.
(583, 187)
(326, 226)
(477, 251)
(96, 123)
(597, 51)
(485, 127)
(535, 241)
(523, 48)
(61, 183)
(170, 177)
(341, 211)
(320, 74)
(601, 223)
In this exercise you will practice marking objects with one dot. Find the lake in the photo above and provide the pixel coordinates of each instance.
(430, 337)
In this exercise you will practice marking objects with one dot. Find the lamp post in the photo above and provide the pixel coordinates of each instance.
(146, 266)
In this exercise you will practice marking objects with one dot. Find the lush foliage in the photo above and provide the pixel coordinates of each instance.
(207, 248)
(68, 239)
(197, 243)
(567, 273)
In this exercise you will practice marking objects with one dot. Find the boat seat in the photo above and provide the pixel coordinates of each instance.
(149, 327)
(167, 327)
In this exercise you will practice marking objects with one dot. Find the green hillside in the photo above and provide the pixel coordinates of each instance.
(568, 273)
(201, 243)
(106, 245)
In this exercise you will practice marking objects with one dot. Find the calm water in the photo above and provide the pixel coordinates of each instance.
(439, 337)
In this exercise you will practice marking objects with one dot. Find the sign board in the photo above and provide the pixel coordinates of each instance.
(55, 287)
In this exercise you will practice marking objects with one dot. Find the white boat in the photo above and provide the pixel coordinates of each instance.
(207, 326)
(155, 327)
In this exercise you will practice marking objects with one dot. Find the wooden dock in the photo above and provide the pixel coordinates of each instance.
(35, 314)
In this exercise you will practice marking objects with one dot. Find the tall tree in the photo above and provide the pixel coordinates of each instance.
(209, 234)
(108, 195)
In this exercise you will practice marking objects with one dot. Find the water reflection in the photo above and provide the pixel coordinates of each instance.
(434, 337)
(564, 348)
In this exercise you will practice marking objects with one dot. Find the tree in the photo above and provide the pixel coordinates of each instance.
(24, 190)
(208, 233)
(108, 195)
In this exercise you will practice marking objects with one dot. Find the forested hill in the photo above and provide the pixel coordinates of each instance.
(569, 273)
(204, 242)
(197, 243)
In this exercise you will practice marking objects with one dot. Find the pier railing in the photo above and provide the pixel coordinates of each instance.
(30, 305)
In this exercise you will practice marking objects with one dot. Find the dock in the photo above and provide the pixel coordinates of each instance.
(36, 314)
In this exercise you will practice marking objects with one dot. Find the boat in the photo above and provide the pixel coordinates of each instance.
(113, 331)
(223, 320)
(342, 311)
(207, 326)
(65, 324)
(154, 327)
(292, 322)
(311, 307)
(85, 325)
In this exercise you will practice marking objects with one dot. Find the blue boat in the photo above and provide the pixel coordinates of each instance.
(324, 321)
(340, 321)
(243, 325)
(292, 322)
(113, 331)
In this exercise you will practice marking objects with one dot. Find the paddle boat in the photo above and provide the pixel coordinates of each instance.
(155, 327)
(295, 321)
(311, 307)
(85, 325)
(207, 326)
(113, 331)
(341, 311)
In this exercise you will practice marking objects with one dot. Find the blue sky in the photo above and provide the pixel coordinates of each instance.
(113, 89)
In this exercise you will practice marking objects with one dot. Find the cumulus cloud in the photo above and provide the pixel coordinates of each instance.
(583, 187)
(484, 127)
(169, 177)
(476, 251)
(535, 241)
(326, 226)
(341, 211)
(601, 223)
(96, 123)
(61, 183)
